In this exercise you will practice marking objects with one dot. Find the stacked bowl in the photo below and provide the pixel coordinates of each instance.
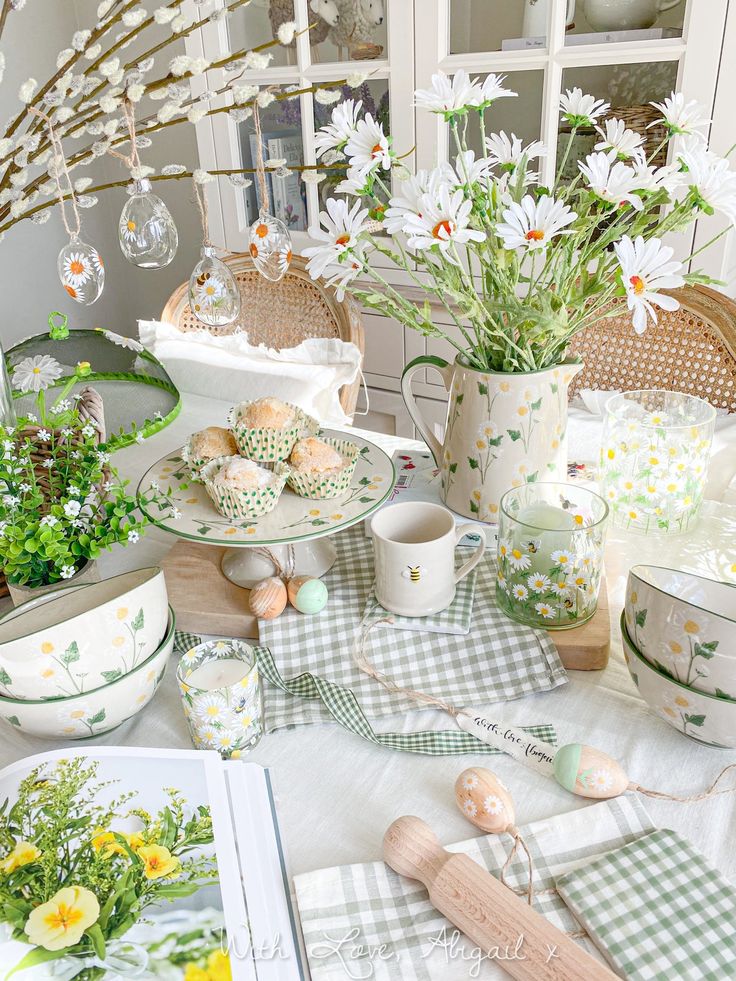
(679, 634)
(80, 660)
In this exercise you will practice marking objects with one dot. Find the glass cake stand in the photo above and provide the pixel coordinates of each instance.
(296, 527)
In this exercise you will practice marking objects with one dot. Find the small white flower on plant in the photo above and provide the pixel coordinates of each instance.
(645, 268)
(450, 97)
(468, 170)
(48, 463)
(36, 373)
(139, 437)
(336, 133)
(72, 509)
(340, 236)
(368, 146)
(579, 109)
(616, 137)
(442, 222)
(507, 152)
(533, 224)
(614, 183)
(74, 490)
(43, 435)
(679, 116)
(49, 520)
(710, 179)
(67, 571)
(133, 536)
(491, 88)
(88, 431)
(176, 514)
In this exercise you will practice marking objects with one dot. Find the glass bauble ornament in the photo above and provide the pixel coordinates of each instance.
(147, 233)
(214, 297)
(81, 271)
(269, 244)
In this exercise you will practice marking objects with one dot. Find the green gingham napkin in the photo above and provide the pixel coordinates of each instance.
(657, 910)
(456, 619)
(401, 934)
(497, 660)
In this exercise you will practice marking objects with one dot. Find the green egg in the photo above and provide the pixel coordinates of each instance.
(311, 597)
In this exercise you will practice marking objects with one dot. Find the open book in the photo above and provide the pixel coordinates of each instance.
(154, 864)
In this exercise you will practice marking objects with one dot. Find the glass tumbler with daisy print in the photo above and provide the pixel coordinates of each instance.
(654, 459)
(550, 554)
(221, 696)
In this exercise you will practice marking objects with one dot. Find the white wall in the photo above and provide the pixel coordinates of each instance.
(29, 282)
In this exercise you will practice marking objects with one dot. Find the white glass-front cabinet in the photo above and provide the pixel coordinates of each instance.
(631, 52)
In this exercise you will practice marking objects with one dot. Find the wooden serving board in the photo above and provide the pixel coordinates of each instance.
(205, 602)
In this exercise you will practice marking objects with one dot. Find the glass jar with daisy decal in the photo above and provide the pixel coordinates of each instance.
(654, 459)
(550, 554)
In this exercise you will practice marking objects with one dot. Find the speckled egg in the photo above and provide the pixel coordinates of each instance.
(484, 800)
(307, 594)
(268, 598)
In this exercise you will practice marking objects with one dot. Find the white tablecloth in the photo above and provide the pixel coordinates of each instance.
(337, 794)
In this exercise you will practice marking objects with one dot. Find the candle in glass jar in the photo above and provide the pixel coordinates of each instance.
(213, 675)
(546, 517)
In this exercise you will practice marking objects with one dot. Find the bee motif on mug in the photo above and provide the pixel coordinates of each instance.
(414, 573)
(532, 545)
(242, 704)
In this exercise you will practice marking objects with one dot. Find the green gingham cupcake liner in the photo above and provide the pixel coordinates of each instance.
(331, 483)
(233, 503)
(269, 445)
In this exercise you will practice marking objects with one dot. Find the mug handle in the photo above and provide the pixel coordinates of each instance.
(477, 554)
(445, 370)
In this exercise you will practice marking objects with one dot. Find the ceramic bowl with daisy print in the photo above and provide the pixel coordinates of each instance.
(550, 554)
(685, 626)
(224, 478)
(221, 696)
(90, 713)
(267, 444)
(707, 718)
(322, 485)
(654, 459)
(73, 641)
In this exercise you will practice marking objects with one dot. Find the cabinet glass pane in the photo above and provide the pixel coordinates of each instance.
(607, 21)
(497, 25)
(281, 124)
(359, 35)
(521, 115)
(252, 25)
(629, 89)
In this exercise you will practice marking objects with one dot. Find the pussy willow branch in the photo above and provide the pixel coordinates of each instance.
(6, 8)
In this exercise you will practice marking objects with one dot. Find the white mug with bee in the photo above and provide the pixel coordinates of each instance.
(414, 549)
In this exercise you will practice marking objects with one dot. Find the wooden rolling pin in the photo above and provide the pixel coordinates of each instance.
(486, 911)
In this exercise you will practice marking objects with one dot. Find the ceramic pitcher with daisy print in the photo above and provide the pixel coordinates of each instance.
(502, 430)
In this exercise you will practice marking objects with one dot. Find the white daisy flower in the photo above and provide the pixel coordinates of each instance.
(343, 272)
(711, 181)
(618, 138)
(77, 269)
(36, 373)
(336, 133)
(508, 152)
(443, 221)
(649, 178)
(671, 485)
(562, 558)
(613, 183)
(579, 109)
(679, 116)
(67, 571)
(533, 224)
(408, 201)
(355, 182)
(647, 267)
(225, 740)
(468, 170)
(212, 708)
(518, 560)
(210, 292)
(367, 147)
(492, 88)
(176, 514)
(469, 808)
(601, 779)
(493, 805)
(560, 589)
(127, 342)
(340, 235)
(519, 592)
(545, 611)
(450, 96)
(470, 781)
(539, 583)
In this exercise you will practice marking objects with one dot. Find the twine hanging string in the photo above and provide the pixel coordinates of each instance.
(284, 570)
(131, 160)
(519, 843)
(260, 165)
(201, 197)
(705, 795)
(60, 163)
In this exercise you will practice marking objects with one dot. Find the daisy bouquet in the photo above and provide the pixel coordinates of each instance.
(77, 874)
(519, 266)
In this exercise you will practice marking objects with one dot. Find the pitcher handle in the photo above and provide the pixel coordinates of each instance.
(663, 5)
(445, 370)
(570, 13)
(477, 555)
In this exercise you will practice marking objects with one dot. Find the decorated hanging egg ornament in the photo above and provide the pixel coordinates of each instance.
(588, 772)
(485, 801)
(307, 594)
(146, 231)
(81, 271)
(268, 598)
(269, 244)
(214, 297)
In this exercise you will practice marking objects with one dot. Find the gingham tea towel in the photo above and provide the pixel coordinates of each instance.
(497, 660)
(365, 921)
(456, 619)
(657, 910)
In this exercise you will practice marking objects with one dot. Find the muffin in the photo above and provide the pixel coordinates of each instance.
(322, 468)
(241, 488)
(206, 445)
(266, 430)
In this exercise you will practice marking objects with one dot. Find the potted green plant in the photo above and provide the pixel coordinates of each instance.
(517, 267)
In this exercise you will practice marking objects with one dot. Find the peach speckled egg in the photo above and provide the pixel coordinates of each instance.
(484, 800)
(268, 598)
(589, 772)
